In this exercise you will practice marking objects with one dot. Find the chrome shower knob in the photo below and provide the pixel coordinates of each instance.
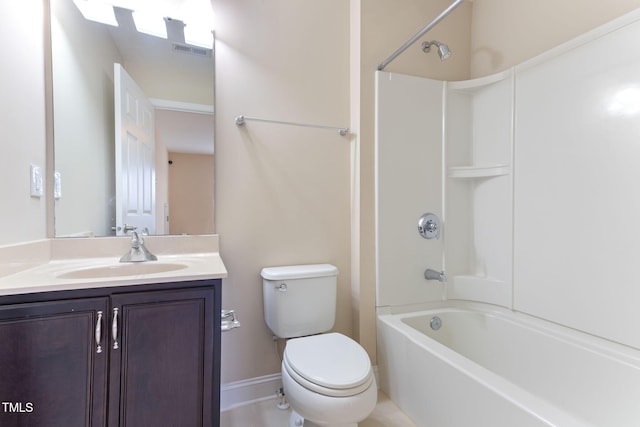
(429, 226)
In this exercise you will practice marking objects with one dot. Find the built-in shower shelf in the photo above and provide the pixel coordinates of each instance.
(471, 172)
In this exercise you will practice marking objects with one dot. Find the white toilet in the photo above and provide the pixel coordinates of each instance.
(327, 378)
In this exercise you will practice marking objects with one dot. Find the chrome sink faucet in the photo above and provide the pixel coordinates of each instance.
(138, 252)
(430, 274)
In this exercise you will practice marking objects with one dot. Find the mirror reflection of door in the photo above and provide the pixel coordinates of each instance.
(169, 71)
(135, 157)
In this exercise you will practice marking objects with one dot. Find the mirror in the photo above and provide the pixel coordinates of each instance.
(175, 189)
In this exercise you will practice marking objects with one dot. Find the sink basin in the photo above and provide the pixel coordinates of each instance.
(121, 270)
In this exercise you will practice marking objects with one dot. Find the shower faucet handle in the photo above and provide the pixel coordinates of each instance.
(429, 226)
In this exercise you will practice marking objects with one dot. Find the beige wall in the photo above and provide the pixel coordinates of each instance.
(83, 121)
(162, 186)
(506, 33)
(22, 120)
(282, 192)
(191, 193)
(192, 86)
(286, 195)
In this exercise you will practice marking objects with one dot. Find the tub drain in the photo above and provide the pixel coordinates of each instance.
(435, 323)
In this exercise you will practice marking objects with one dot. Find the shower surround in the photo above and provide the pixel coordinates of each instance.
(533, 172)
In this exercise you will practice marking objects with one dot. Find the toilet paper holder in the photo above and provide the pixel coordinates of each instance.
(228, 320)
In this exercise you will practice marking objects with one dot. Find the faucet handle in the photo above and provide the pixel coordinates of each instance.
(136, 239)
(429, 226)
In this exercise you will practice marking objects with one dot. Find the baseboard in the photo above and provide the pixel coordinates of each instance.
(376, 373)
(249, 391)
(254, 390)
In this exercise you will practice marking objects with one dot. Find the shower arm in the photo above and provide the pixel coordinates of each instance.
(419, 34)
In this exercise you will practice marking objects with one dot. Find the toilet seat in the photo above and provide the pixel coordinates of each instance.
(329, 364)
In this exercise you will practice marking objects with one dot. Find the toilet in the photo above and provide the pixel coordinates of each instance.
(327, 377)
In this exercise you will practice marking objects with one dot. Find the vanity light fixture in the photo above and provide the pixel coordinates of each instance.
(151, 17)
(198, 35)
(149, 23)
(198, 19)
(97, 11)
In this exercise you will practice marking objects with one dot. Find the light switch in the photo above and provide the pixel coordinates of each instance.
(37, 189)
(57, 185)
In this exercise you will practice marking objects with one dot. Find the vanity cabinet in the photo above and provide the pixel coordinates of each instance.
(144, 355)
(161, 373)
(50, 372)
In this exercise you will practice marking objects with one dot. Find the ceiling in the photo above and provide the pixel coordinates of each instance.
(183, 132)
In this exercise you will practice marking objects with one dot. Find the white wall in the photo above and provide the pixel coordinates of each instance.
(505, 34)
(383, 26)
(22, 120)
(577, 235)
(408, 185)
(468, 185)
(478, 229)
(574, 241)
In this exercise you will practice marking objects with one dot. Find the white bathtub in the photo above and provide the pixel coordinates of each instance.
(492, 367)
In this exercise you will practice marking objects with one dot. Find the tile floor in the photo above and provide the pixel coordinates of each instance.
(266, 414)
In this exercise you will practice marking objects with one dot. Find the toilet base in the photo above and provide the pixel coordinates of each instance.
(326, 411)
(296, 420)
(329, 405)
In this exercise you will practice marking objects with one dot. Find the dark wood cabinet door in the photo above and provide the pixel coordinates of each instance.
(162, 372)
(51, 373)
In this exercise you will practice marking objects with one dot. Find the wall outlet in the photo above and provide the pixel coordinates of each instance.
(37, 189)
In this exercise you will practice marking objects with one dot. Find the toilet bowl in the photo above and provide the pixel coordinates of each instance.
(327, 377)
(328, 381)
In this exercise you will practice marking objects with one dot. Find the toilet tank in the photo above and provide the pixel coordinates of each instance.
(299, 300)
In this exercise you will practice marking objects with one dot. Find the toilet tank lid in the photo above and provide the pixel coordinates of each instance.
(299, 271)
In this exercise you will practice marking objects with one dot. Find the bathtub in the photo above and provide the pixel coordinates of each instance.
(487, 366)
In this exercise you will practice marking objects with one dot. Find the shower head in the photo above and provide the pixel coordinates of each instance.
(443, 49)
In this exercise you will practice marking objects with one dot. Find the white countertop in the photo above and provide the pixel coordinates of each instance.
(41, 266)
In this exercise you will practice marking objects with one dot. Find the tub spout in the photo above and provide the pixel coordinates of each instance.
(430, 274)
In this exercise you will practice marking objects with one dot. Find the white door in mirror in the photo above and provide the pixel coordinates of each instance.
(135, 158)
